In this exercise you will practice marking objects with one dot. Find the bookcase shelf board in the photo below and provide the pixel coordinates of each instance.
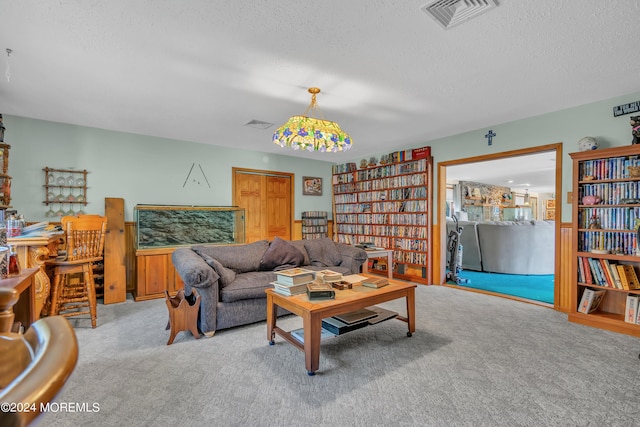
(388, 205)
(605, 253)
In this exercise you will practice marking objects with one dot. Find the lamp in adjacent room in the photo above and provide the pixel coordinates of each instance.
(309, 133)
(526, 197)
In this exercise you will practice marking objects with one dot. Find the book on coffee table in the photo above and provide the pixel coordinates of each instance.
(329, 276)
(289, 289)
(318, 291)
(375, 282)
(295, 276)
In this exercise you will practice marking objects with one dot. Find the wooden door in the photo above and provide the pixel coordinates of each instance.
(267, 198)
(278, 212)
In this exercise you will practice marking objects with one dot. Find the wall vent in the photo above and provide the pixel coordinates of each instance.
(450, 13)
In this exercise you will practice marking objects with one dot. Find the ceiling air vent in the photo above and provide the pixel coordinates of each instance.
(258, 124)
(450, 13)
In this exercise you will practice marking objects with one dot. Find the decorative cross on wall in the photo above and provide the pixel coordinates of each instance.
(490, 136)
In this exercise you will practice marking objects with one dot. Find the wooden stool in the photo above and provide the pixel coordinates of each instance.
(85, 243)
(182, 316)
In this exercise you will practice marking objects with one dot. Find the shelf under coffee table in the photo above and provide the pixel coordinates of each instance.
(312, 313)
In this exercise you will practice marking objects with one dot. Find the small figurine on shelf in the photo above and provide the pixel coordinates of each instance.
(384, 159)
(363, 164)
(594, 223)
(373, 161)
(635, 129)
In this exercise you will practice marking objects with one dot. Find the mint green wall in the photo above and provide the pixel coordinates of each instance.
(565, 126)
(149, 170)
(140, 169)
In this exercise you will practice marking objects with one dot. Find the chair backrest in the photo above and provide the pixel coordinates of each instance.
(35, 366)
(85, 236)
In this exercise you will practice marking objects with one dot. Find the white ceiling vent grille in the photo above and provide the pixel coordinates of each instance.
(450, 13)
(258, 124)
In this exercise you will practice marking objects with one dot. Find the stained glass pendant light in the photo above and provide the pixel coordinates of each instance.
(312, 134)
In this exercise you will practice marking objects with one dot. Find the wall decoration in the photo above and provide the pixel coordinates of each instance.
(551, 204)
(490, 136)
(311, 186)
(620, 110)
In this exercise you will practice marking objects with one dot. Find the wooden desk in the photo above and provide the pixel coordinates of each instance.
(380, 253)
(25, 309)
(32, 253)
(312, 313)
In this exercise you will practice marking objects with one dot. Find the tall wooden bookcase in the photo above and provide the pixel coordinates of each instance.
(605, 232)
(388, 205)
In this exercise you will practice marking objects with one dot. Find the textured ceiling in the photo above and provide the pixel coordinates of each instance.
(390, 75)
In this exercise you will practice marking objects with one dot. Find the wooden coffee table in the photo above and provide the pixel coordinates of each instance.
(312, 313)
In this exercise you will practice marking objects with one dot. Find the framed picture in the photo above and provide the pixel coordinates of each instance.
(551, 204)
(311, 186)
(550, 214)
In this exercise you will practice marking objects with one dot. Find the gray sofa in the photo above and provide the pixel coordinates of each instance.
(511, 247)
(231, 280)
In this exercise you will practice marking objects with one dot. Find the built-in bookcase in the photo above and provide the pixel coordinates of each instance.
(605, 229)
(388, 205)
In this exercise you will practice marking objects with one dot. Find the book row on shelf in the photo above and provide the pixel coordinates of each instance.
(622, 218)
(383, 207)
(616, 242)
(384, 230)
(393, 194)
(315, 221)
(612, 193)
(314, 214)
(388, 230)
(392, 219)
(381, 184)
(606, 273)
(608, 168)
(315, 229)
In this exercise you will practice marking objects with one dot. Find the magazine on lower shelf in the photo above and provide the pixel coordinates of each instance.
(590, 300)
(299, 334)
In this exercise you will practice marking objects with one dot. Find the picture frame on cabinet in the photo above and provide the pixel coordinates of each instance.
(311, 186)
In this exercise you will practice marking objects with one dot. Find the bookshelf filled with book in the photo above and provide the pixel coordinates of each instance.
(605, 228)
(389, 206)
(314, 225)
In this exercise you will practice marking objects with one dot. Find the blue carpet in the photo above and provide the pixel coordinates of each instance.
(537, 288)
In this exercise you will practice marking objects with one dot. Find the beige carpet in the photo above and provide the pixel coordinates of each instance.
(474, 360)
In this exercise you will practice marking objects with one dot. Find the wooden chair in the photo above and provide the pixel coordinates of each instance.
(85, 244)
(34, 366)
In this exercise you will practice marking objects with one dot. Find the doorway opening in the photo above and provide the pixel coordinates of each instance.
(470, 202)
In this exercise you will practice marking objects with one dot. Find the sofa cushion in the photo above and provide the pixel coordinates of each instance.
(322, 252)
(247, 286)
(227, 275)
(281, 255)
(239, 258)
(300, 245)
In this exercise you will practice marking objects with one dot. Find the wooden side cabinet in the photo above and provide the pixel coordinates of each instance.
(155, 273)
